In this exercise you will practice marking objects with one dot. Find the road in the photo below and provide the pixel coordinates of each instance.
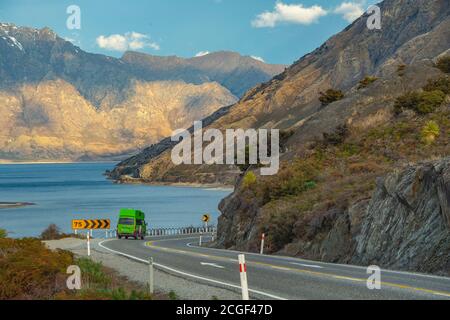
(274, 277)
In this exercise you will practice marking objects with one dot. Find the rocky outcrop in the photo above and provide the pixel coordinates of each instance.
(406, 225)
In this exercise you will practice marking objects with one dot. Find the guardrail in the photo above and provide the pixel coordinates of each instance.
(155, 232)
(180, 231)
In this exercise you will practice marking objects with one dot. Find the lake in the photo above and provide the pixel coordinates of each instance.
(63, 192)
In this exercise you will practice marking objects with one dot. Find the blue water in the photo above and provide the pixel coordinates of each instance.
(63, 192)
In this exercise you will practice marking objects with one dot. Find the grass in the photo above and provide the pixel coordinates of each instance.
(430, 132)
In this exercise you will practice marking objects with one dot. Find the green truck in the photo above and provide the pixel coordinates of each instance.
(131, 224)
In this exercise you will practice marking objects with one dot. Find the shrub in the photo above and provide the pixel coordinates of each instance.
(364, 83)
(299, 177)
(330, 96)
(337, 137)
(421, 102)
(51, 233)
(444, 64)
(430, 132)
(93, 274)
(409, 100)
(441, 84)
(430, 101)
(401, 70)
(3, 234)
(249, 180)
(28, 270)
(310, 185)
(173, 295)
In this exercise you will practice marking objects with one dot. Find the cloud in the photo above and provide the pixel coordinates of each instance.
(289, 13)
(202, 53)
(350, 10)
(257, 58)
(127, 41)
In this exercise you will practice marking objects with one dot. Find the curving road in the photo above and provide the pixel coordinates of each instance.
(274, 277)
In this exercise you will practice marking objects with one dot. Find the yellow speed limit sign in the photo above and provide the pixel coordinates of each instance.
(206, 218)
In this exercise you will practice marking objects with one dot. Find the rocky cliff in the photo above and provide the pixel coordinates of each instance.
(407, 222)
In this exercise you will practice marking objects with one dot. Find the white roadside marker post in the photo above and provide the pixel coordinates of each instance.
(88, 245)
(150, 279)
(243, 273)
(263, 237)
(200, 240)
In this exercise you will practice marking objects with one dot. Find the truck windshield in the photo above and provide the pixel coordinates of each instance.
(126, 221)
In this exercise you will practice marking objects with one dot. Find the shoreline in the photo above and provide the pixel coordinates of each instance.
(9, 205)
(6, 162)
(174, 184)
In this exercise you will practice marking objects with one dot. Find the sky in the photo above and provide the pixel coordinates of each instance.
(275, 31)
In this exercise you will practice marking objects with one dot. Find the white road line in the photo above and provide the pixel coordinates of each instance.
(306, 265)
(215, 265)
(189, 275)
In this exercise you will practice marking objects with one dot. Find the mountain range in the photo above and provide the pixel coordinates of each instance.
(61, 103)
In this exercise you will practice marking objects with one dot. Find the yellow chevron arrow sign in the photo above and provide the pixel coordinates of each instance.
(91, 224)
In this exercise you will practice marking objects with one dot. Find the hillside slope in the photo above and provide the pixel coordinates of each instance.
(414, 33)
(391, 121)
